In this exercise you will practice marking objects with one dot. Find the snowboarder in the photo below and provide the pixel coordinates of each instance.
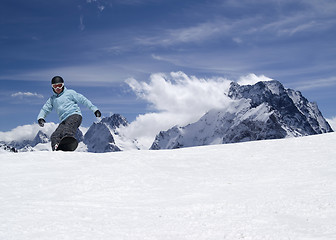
(65, 102)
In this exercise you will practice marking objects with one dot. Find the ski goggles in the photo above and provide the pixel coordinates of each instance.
(57, 85)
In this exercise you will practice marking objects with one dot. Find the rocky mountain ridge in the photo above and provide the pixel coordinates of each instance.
(265, 110)
(99, 137)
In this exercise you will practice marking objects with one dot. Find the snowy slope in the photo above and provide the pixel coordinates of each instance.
(273, 189)
(239, 123)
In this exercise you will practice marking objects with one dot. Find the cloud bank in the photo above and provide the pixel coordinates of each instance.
(26, 132)
(178, 99)
(26, 94)
(252, 79)
(29, 131)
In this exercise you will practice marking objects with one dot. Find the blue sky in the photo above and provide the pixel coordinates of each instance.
(95, 45)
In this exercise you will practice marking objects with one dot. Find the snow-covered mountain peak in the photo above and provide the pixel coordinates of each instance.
(105, 136)
(99, 139)
(115, 121)
(268, 91)
(265, 110)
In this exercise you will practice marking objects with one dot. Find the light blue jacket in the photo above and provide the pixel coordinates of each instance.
(65, 104)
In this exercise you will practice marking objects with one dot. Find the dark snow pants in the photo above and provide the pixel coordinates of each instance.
(66, 128)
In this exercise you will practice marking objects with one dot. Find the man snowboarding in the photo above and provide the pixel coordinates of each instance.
(65, 102)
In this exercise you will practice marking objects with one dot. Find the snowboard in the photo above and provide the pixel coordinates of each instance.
(67, 144)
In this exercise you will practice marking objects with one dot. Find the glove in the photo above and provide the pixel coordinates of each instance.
(41, 122)
(97, 113)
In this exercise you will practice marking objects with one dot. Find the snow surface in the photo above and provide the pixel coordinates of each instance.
(274, 189)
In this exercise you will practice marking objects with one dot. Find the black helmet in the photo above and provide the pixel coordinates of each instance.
(57, 79)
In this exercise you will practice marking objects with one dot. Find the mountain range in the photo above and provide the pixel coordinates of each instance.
(99, 138)
(265, 110)
(6, 148)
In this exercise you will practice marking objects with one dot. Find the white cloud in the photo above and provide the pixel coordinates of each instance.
(311, 16)
(27, 94)
(316, 83)
(237, 40)
(252, 79)
(81, 23)
(178, 92)
(101, 8)
(86, 74)
(100, 4)
(177, 99)
(197, 33)
(29, 131)
(26, 132)
(157, 57)
(292, 25)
